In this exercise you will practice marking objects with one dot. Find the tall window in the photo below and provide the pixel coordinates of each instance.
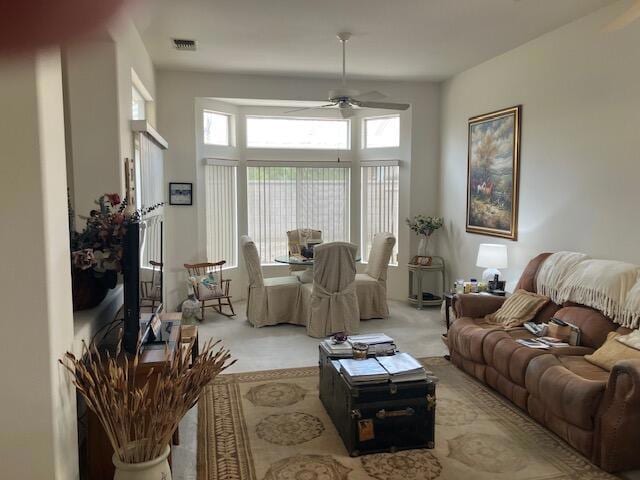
(221, 211)
(283, 198)
(379, 132)
(303, 133)
(138, 105)
(380, 198)
(216, 128)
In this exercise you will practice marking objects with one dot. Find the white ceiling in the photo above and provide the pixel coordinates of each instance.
(396, 39)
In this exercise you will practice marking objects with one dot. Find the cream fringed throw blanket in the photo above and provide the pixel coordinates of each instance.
(600, 284)
(553, 272)
(630, 315)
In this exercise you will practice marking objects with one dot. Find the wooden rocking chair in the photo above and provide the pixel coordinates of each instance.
(217, 299)
(151, 290)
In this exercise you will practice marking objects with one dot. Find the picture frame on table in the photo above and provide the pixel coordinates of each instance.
(180, 193)
(493, 170)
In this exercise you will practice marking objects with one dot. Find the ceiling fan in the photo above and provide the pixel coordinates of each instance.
(346, 99)
(630, 16)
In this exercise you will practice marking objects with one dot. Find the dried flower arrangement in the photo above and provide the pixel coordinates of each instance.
(99, 246)
(140, 419)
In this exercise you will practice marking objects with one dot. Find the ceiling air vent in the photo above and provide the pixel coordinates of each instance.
(184, 44)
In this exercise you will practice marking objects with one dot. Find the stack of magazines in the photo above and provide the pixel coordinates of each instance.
(401, 367)
(379, 344)
(358, 372)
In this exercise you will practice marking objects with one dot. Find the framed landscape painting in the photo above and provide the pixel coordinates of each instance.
(492, 173)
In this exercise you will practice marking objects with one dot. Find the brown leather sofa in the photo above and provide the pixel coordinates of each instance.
(595, 411)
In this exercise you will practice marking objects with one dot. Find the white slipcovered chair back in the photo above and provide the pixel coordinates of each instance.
(333, 303)
(252, 261)
(380, 255)
(299, 237)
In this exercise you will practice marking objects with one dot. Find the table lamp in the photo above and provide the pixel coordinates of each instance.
(492, 257)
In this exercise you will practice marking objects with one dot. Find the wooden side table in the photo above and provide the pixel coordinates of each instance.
(416, 296)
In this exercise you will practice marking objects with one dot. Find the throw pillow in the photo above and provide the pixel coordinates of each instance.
(206, 287)
(518, 309)
(631, 340)
(612, 351)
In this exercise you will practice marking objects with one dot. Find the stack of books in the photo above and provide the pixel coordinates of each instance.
(379, 344)
(402, 367)
(359, 372)
(398, 368)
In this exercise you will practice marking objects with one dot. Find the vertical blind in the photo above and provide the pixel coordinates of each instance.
(283, 198)
(221, 211)
(380, 197)
(151, 240)
(149, 192)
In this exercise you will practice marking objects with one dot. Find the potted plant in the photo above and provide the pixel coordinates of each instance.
(97, 250)
(424, 226)
(139, 420)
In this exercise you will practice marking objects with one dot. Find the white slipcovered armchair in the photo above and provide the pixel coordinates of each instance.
(270, 301)
(371, 286)
(330, 303)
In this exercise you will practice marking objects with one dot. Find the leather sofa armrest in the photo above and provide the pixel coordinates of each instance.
(476, 306)
(618, 423)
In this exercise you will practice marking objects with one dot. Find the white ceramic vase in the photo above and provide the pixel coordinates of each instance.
(423, 246)
(157, 469)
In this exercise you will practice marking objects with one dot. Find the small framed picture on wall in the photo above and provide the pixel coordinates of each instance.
(180, 193)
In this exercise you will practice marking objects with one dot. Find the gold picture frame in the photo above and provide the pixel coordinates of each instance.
(493, 173)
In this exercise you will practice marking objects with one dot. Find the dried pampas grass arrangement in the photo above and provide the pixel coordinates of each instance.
(140, 419)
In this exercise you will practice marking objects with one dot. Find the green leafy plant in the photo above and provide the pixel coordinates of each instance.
(425, 225)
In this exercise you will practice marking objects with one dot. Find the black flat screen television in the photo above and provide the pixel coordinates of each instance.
(131, 275)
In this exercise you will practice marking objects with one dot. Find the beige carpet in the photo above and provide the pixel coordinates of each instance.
(272, 426)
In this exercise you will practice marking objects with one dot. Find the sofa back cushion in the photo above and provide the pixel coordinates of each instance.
(528, 278)
(594, 326)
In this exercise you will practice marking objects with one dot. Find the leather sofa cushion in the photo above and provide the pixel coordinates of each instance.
(510, 359)
(594, 326)
(466, 337)
(547, 313)
(563, 392)
(528, 278)
(578, 365)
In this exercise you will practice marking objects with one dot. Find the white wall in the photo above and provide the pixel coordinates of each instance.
(580, 130)
(92, 121)
(98, 79)
(37, 403)
(176, 95)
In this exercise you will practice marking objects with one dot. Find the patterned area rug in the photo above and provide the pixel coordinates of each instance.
(272, 426)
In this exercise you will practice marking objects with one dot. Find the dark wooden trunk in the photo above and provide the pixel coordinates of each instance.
(377, 418)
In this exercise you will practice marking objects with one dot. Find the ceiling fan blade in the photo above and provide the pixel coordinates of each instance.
(347, 112)
(625, 19)
(302, 109)
(383, 105)
(371, 96)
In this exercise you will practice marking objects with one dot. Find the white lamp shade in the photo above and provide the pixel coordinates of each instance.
(491, 255)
